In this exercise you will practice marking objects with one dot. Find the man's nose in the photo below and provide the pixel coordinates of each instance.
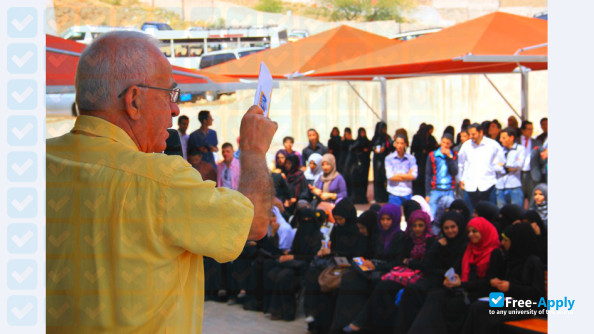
(174, 109)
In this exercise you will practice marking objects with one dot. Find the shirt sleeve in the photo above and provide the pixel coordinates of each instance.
(520, 158)
(461, 162)
(414, 166)
(389, 168)
(202, 219)
(342, 189)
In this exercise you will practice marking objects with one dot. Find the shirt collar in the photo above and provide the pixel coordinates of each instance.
(98, 127)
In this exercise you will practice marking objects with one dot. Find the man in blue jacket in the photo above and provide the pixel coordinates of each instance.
(441, 171)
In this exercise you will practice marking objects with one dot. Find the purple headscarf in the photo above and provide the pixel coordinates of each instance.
(393, 211)
(419, 248)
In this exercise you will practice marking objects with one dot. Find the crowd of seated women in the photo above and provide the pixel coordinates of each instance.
(488, 250)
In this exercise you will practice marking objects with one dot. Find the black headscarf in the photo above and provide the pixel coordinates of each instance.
(346, 239)
(334, 141)
(369, 220)
(409, 207)
(451, 254)
(508, 214)
(362, 141)
(461, 207)
(489, 211)
(532, 216)
(308, 237)
(294, 174)
(375, 207)
(379, 135)
(523, 242)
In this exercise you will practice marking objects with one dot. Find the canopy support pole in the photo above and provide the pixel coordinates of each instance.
(362, 99)
(524, 72)
(502, 96)
(384, 96)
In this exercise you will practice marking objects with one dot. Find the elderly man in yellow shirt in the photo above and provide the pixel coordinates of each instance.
(127, 226)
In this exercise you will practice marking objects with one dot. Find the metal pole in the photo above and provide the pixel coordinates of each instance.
(524, 73)
(384, 96)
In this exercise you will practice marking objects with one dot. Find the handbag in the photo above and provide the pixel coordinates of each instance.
(403, 275)
(331, 277)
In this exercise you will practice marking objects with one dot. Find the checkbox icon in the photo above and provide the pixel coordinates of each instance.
(21, 130)
(21, 238)
(22, 274)
(22, 310)
(22, 203)
(22, 166)
(496, 299)
(22, 94)
(22, 22)
(22, 58)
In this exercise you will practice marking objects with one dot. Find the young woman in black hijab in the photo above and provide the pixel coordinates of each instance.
(345, 163)
(282, 277)
(489, 211)
(523, 278)
(357, 285)
(345, 241)
(360, 150)
(460, 207)
(334, 144)
(410, 206)
(446, 253)
(533, 218)
(509, 214)
(382, 145)
(296, 182)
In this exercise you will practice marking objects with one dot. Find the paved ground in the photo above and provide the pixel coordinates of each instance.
(224, 319)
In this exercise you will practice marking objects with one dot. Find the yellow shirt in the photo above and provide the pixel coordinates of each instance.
(126, 232)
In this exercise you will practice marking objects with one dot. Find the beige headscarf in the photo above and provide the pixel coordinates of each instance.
(327, 178)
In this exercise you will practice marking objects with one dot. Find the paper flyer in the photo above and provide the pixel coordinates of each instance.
(264, 89)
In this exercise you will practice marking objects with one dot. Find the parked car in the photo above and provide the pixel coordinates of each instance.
(151, 26)
(219, 57)
(296, 35)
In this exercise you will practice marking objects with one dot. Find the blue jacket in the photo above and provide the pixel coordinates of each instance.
(440, 171)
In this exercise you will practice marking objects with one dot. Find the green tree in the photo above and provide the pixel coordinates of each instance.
(270, 6)
(367, 10)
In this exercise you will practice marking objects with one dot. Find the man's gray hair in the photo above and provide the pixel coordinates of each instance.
(112, 63)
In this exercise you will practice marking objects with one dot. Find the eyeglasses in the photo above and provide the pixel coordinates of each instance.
(173, 93)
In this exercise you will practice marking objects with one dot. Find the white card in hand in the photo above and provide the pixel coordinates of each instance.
(264, 89)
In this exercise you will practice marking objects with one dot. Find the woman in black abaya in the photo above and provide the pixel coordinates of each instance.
(382, 145)
(360, 150)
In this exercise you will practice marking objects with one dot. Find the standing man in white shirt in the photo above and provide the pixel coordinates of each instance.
(509, 173)
(182, 127)
(228, 170)
(477, 161)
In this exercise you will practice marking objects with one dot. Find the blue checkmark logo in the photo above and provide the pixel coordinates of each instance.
(22, 130)
(496, 299)
(22, 58)
(22, 94)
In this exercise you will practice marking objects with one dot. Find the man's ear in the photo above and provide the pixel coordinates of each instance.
(133, 103)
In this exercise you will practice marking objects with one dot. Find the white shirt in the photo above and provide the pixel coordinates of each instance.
(515, 157)
(227, 177)
(528, 149)
(477, 163)
(184, 143)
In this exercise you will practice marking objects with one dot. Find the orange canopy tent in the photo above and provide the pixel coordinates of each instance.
(493, 43)
(62, 59)
(293, 60)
